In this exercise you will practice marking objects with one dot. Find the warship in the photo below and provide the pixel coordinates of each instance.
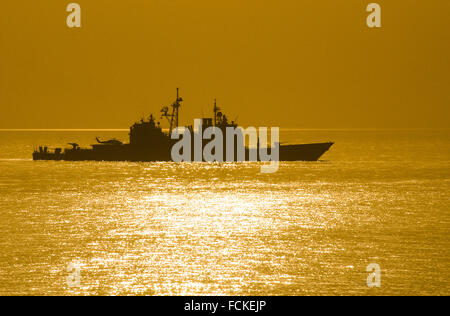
(148, 142)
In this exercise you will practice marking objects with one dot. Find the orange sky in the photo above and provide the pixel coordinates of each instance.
(287, 63)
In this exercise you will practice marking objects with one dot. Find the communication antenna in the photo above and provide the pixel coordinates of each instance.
(173, 117)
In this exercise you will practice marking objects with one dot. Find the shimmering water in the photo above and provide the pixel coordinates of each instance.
(196, 228)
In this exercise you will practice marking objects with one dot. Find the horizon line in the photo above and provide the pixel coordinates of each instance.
(281, 128)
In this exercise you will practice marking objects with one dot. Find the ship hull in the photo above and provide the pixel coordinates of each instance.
(303, 152)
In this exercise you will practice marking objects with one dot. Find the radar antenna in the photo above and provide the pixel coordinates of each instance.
(173, 117)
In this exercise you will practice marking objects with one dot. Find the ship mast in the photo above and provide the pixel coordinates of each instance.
(216, 109)
(173, 117)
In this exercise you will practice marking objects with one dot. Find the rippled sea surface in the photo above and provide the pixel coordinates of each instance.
(206, 229)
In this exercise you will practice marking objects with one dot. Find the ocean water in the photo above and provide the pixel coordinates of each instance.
(378, 196)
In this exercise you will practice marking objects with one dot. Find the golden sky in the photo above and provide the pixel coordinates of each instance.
(287, 63)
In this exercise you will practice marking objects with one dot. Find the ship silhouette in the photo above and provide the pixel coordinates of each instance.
(149, 142)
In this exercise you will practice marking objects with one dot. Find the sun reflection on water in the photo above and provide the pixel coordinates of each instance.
(223, 229)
